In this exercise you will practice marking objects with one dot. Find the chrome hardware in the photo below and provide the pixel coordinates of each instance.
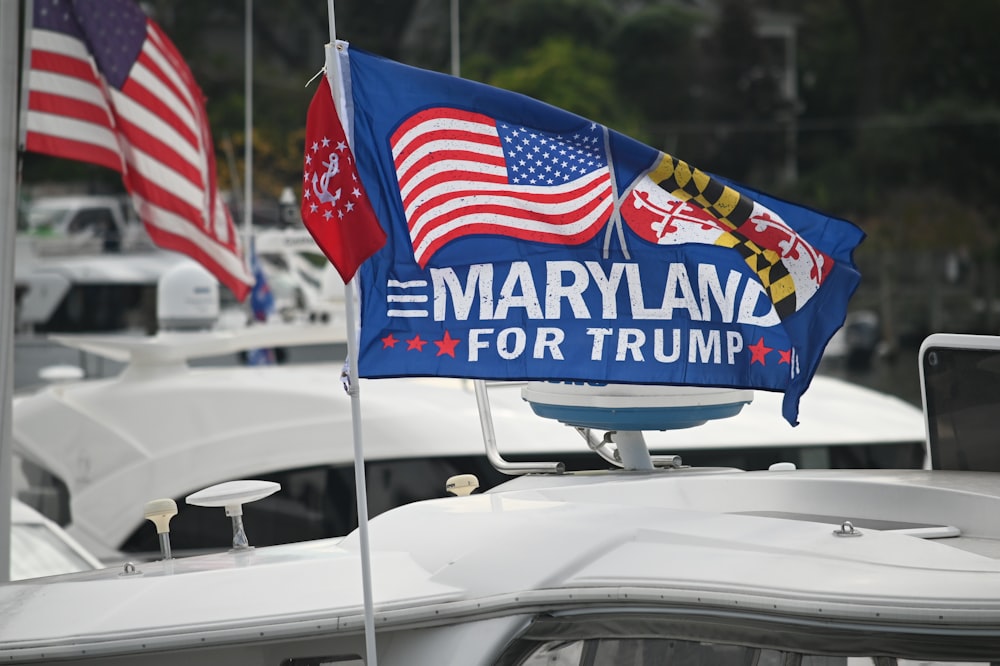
(847, 529)
(128, 569)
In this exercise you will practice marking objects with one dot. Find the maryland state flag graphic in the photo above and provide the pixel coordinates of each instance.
(524, 242)
(675, 204)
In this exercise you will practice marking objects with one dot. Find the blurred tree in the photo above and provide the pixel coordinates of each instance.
(655, 49)
(496, 35)
(900, 97)
(900, 133)
(573, 77)
(739, 83)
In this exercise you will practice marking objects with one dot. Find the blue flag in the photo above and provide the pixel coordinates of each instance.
(525, 242)
(262, 306)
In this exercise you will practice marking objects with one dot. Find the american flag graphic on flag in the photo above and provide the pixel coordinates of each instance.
(107, 86)
(463, 173)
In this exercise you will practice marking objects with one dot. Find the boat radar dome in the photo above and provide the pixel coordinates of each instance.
(187, 299)
(633, 407)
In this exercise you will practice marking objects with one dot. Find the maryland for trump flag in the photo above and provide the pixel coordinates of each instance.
(525, 242)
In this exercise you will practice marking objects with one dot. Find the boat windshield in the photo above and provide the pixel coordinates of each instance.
(37, 550)
(639, 638)
(45, 219)
(657, 651)
(961, 394)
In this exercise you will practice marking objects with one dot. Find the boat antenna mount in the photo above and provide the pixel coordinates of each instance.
(607, 448)
(159, 512)
(624, 411)
(233, 495)
(490, 440)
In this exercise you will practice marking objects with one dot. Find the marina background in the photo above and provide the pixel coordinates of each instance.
(884, 113)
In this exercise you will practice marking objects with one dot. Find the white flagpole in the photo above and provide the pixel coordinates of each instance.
(8, 237)
(248, 132)
(335, 78)
(456, 67)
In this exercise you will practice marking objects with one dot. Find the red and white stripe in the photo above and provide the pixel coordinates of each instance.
(453, 181)
(154, 131)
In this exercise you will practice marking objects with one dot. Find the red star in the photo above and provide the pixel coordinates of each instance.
(759, 351)
(447, 345)
(786, 356)
(415, 343)
(389, 341)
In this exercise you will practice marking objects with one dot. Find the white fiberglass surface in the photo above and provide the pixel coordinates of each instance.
(37, 550)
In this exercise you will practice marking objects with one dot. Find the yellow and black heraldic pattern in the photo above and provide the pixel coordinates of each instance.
(732, 209)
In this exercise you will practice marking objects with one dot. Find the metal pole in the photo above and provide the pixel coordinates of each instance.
(359, 477)
(792, 98)
(490, 441)
(248, 128)
(8, 237)
(335, 77)
(456, 67)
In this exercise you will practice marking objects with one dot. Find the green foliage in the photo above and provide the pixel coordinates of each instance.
(899, 98)
(500, 32)
(572, 77)
(655, 49)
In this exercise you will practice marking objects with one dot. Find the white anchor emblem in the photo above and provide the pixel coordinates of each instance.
(323, 191)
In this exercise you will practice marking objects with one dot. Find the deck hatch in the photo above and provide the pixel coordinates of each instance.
(920, 530)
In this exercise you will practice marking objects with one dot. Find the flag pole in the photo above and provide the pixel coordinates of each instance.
(248, 131)
(22, 111)
(335, 78)
(8, 237)
(456, 66)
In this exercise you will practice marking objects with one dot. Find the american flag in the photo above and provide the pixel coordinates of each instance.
(107, 86)
(463, 173)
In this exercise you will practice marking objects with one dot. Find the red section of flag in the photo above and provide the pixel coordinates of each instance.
(335, 207)
(463, 173)
(131, 104)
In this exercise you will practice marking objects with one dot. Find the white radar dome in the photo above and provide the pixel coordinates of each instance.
(633, 406)
(187, 298)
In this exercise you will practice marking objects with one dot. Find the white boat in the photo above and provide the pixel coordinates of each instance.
(39, 547)
(89, 291)
(305, 284)
(644, 562)
(91, 224)
(635, 566)
(89, 450)
(78, 288)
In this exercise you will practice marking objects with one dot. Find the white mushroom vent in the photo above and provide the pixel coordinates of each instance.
(233, 495)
